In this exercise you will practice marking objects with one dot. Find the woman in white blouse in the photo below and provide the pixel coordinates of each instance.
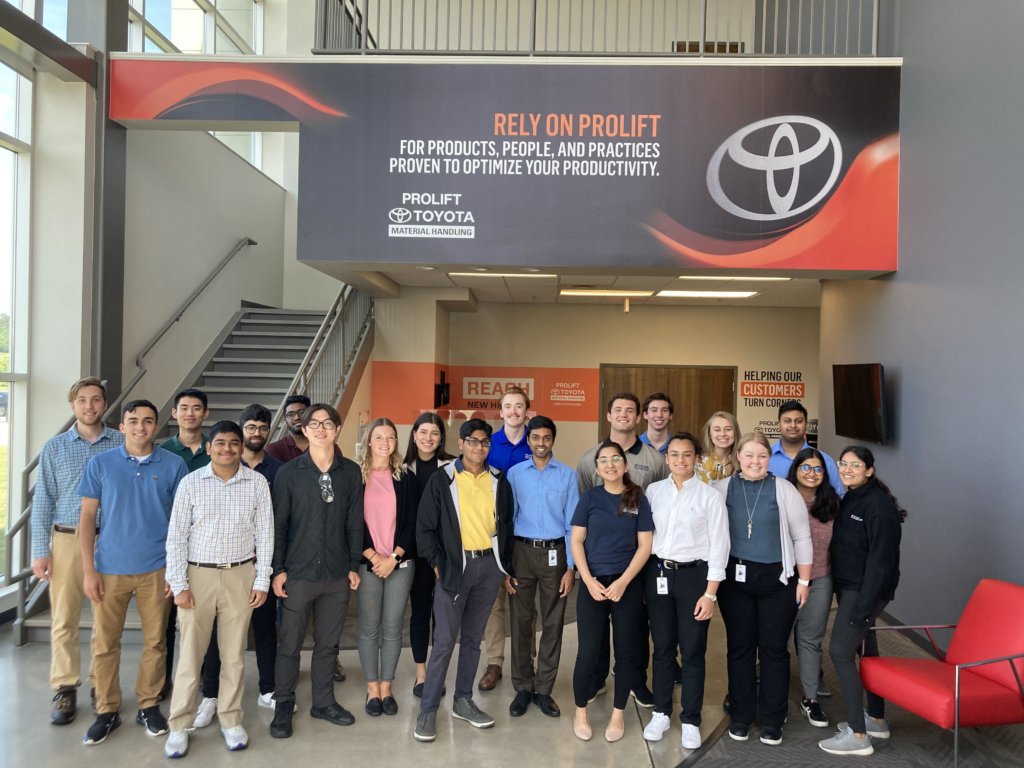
(690, 554)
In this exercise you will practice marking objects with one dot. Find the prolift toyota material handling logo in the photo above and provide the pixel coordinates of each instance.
(797, 170)
(431, 214)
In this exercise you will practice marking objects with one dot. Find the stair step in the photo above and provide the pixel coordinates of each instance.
(292, 352)
(247, 365)
(260, 321)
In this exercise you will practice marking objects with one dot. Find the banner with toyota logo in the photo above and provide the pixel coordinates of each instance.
(748, 165)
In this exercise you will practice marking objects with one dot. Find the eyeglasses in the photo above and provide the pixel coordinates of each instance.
(326, 489)
(807, 469)
(295, 414)
(252, 429)
(851, 464)
(474, 442)
(606, 460)
(326, 424)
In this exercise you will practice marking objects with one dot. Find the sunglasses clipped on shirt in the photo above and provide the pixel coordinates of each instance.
(326, 489)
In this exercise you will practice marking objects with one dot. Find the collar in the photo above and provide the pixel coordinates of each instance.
(636, 447)
(459, 467)
(153, 456)
(306, 462)
(777, 448)
(206, 473)
(73, 434)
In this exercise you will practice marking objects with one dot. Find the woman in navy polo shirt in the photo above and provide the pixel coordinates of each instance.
(611, 542)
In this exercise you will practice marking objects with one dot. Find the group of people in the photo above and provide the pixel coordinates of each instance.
(225, 531)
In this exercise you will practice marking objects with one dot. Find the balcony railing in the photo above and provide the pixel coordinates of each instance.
(818, 28)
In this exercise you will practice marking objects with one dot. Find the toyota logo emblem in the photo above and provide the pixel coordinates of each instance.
(791, 159)
(399, 215)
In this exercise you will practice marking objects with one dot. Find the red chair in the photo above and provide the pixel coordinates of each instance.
(978, 681)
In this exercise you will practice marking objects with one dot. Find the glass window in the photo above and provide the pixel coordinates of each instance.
(8, 215)
(241, 15)
(8, 101)
(187, 25)
(55, 17)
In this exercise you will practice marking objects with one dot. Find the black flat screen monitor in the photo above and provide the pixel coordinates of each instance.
(860, 402)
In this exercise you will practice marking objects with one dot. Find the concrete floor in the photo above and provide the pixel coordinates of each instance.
(532, 740)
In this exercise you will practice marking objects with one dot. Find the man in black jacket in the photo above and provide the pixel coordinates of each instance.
(464, 531)
(318, 536)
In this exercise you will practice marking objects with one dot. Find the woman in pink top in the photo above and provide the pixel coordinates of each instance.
(389, 530)
(810, 476)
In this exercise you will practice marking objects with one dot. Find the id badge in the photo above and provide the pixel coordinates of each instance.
(404, 564)
(662, 583)
(741, 572)
(552, 557)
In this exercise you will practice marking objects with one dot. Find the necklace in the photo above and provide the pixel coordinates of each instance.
(750, 512)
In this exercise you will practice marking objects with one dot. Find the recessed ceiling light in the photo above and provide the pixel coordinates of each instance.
(494, 274)
(426, 268)
(732, 278)
(530, 269)
(706, 294)
(481, 269)
(605, 293)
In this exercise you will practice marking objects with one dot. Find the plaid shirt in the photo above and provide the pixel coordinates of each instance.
(214, 521)
(56, 500)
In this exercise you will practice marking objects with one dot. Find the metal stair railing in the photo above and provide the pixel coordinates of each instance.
(18, 535)
(329, 364)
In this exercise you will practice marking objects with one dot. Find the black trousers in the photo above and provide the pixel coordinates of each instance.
(592, 627)
(672, 626)
(843, 648)
(759, 615)
(264, 630)
(536, 577)
(172, 628)
(327, 601)
(421, 613)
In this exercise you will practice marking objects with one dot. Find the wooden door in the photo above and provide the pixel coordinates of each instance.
(696, 391)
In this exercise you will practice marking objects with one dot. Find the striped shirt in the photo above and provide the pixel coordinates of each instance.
(214, 521)
(56, 500)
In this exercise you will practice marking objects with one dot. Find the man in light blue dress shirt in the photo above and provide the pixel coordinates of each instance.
(546, 492)
(792, 440)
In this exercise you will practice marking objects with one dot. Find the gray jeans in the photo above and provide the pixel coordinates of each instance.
(381, 611)
(809, 631)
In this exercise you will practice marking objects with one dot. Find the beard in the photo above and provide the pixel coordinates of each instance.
(255, 444)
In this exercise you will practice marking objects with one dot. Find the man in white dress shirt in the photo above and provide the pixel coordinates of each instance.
(219, 549)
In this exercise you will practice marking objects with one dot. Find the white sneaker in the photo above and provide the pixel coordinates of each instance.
(691, 736)
(657, 727)
(235, 737)
(177, 744)
(204, 715)
(267, 700)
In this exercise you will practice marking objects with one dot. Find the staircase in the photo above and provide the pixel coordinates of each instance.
(256, 363)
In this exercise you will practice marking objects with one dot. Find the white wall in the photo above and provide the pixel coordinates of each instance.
(190, 200)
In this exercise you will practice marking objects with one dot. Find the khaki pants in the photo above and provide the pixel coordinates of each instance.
(108, 625)
(494, 632)
(66, 595)
(221, 594)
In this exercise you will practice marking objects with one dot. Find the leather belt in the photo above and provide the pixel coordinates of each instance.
(540, 543)
(473, 554)
(672, 565)
(223, 566)
(67, 529)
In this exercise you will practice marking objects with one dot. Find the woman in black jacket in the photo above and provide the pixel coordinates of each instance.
(386, 571)
(423, 456)
(865, 572)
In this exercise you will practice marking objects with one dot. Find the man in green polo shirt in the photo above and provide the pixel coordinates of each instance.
(190, 411)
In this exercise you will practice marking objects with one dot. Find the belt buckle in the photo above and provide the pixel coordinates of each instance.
(225, 566)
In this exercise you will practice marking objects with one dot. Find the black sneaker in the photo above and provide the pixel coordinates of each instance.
(153, 719)
(739, 732)
(281, 725)
(99, 730)
(65, 705)
(771, 736)
(814, 714)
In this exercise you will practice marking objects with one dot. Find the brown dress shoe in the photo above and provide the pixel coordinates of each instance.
(490, 677)
(339, 672)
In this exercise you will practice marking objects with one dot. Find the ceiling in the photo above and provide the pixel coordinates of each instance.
(492, 285)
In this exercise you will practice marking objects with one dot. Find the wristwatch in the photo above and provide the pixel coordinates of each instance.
(804, 582)
(398, 557)
(712, 598)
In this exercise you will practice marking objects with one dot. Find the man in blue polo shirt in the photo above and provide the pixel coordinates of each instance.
(545, 492)
(135, 484)
(792, 440)
(509, 447)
